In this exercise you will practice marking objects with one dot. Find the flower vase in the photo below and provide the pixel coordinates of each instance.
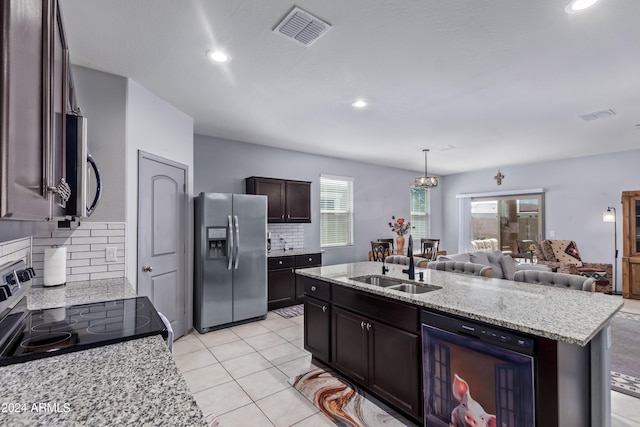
(400, 243)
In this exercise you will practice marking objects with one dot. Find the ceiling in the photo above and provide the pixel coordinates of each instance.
(482, 84)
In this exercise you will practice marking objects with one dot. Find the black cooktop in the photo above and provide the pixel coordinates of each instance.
(34, 334)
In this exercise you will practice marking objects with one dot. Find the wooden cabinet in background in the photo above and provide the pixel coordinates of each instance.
(287, 200)
(33, 92)
(631, 244)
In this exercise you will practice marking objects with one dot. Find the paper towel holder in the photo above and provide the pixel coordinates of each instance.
(55, 266)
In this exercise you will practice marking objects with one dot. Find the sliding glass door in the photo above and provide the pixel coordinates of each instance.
(508, 219)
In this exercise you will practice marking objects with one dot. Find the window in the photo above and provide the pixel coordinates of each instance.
(419, 208)
(336, 211)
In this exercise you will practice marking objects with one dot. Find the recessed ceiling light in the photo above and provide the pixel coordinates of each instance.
(360, 103)
(578, 5)
(218, 56)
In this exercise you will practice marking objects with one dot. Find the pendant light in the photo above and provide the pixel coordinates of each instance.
(426, 182)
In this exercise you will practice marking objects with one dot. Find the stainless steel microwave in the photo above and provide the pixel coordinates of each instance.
(79, 166)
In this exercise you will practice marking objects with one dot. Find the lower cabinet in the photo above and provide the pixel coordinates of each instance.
(284, 289)
(631, 277)
(383, 358)
(317, 328)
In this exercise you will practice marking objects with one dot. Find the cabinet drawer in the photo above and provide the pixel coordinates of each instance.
(278, 263)
(394, 313)
(309, 260)
(316, 288)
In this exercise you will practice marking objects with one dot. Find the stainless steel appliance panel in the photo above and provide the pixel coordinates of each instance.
(214, 274)
(250, 257)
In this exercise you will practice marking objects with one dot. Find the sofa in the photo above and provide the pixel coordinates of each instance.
(557, 280)
(461, 267)
(504, 267)
(484, 245)
(404, 260)
(563, 256)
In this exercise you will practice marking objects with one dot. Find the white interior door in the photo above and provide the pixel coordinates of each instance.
(162, 207)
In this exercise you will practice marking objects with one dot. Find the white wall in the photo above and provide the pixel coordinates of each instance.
(221, 165)
(578, 191)
(156, 127)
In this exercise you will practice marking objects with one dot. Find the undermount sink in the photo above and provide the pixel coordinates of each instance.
(396, 284)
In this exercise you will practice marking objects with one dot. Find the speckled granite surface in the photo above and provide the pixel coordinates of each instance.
(565, 315)
(304, 251)
(131, 383)
(79, 293)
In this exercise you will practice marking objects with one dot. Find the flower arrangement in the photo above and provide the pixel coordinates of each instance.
(399, 226)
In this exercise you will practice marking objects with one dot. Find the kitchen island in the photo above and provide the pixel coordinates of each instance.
(129, 383)
(570, 330)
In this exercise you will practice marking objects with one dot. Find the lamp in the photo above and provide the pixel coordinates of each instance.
(610, 216)
(426, 182)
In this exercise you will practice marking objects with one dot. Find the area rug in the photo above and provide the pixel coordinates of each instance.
(289, 312)
(344, 403)
(625, 353)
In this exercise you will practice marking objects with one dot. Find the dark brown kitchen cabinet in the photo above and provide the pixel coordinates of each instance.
(33, 93)
(317, 326)
(287, 200)
(305, 261)
(281, 282)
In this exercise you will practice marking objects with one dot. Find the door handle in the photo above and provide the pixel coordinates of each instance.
(368, 326)
(362, 324)
(237, 247)
(147, 269)
(324, 308)
(231, 247)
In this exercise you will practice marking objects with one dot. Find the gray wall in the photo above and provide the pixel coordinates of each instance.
(102, 97)
(578, 191)
(221, 165)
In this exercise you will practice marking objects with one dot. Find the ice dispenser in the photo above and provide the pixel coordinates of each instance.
(216, 242)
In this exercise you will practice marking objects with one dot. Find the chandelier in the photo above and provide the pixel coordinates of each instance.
(426, 182)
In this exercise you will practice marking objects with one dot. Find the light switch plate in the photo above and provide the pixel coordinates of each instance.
(111, 254)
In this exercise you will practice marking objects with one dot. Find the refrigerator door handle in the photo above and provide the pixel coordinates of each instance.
(237, 247)
(231, 247)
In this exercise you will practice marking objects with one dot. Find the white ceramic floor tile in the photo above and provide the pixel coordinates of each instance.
(300, 344)
(214, 338)
(618, 421)
(245, 416)
(264, 383)
(263, 341)
(282, 353)
(272, 315)
(231, 350)
(276, 324)
(291, 334)
(249, 330)
(296, 366)
(188, 344)
(206, 377)
(221, 399)
(625, 406)
(298, 319)
(286, 407)
(317, 420)
(198, 359)
(246, 365)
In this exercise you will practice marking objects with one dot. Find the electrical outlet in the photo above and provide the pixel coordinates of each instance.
(111, 254)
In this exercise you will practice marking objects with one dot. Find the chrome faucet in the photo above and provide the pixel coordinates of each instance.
(411, 271)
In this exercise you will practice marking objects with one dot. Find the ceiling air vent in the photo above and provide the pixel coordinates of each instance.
(597, 115)
(302, 27)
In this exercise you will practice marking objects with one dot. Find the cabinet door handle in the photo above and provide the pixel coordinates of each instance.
(324, 308)
(368, 326)
(313, 288)
(362, 324)
(280, 262)
(310, 259)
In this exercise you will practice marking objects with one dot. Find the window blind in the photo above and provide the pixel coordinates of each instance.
(336, 211)
(419, 208)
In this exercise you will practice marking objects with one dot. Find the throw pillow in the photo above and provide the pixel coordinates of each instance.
(508, 267)
(494, 261)
(566, 251)
(480, 258)
(461, 257)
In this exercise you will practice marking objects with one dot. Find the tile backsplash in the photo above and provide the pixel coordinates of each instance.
(293, 234)
(86, 250)
(15, 250)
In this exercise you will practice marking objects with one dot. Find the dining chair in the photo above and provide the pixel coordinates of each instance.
(390, 241)
(429, 248)
(380, 250)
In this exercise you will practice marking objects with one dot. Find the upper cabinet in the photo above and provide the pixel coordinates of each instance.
(34, 96)
(288, 201)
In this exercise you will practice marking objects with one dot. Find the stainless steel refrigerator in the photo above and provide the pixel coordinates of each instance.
(230, 283)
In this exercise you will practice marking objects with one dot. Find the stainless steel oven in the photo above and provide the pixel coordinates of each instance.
(476, 374)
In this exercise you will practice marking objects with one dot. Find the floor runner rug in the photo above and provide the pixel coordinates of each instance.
(625, 353)
(344, 403)
(289, 312)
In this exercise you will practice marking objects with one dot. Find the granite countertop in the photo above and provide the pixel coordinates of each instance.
(291, 252)
(564, 315)
(131, 383)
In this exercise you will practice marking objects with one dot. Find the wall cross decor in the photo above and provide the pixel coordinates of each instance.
(499, 177)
